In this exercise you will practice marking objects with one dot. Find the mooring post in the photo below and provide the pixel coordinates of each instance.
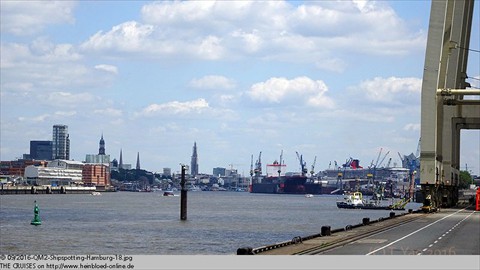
(183, 195)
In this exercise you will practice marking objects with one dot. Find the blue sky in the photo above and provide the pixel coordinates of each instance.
(327, 79)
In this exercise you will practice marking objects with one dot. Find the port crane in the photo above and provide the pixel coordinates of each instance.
(280, 162)
(312, 171)
(303, 164)
(258, 165)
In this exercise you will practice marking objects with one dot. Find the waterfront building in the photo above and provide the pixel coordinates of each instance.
(17, 167)
(41, 150)
(194, 161)
(57, 173)
(97, 175)
(60, 142)
(219, 171)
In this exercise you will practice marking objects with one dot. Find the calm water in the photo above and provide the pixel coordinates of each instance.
(149, 223)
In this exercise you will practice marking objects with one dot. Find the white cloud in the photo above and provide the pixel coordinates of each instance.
(274, 30)
(129, 36)
(297, 91)
(176, 107)
(107, 68)
(412, 127)
(29, 17)
(69, 99)
(108, 112)
(215, 82)
(392, 89)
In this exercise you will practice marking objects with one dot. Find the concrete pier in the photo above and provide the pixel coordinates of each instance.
(405, 234)
(12, 190)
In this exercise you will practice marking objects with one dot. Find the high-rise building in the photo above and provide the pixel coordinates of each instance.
(60, 142)
(41, 150)
(194, 162)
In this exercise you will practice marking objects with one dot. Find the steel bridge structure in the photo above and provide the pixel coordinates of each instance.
(446, 103)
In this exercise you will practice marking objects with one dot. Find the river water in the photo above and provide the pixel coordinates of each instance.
(149, 223)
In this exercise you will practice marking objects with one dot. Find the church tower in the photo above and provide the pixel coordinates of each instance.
(101, 149)
(194, 162)
(120, 163)
(138, 161)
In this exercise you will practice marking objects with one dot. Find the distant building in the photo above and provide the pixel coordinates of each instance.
(96, 175)
(98, 159)
(167, 172)
(194, 162)
(114, 165)
(60, 142)
(101, 148)
(219, 171)
(41, 150)
(17, 167)
(121, 165)
(101, 158)
(138, 161)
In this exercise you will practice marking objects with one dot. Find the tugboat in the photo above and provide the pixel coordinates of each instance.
(351, 201)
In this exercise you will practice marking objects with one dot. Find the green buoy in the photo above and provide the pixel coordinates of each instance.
(36, 219)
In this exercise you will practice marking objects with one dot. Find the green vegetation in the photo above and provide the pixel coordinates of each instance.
(465, 180)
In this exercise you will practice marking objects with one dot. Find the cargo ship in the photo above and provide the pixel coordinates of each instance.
(278, 181)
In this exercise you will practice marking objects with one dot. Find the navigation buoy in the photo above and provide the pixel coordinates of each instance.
(36, 219)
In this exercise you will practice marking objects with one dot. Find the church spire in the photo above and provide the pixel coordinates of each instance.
(194, 161)
(138, 161)
(120, 163)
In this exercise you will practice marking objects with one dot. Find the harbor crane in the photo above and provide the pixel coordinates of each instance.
(303, 164)
(251, 167)
(258, 165)
(280, 162)
(312, 171)
(388, 163)
(383, 158)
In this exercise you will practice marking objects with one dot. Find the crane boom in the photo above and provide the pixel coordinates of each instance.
(312, 172)
(383, 158)
(379, 153)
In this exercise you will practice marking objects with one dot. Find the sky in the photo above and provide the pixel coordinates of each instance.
(326, 79)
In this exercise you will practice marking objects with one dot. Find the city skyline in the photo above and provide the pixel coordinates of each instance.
(328, 79)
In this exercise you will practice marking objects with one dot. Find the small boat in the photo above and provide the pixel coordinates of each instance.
(308, 195)
(96, 193)
(168, 193)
